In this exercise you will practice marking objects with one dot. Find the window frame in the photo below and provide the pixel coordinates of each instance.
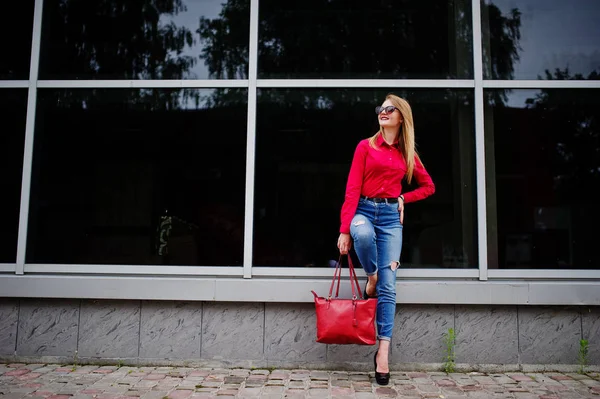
(419, 285)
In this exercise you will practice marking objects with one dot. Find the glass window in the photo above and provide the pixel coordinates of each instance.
(543, 174)
(13, 106)
(425, 39)
(139, 177)
(541, 39)
(119, 39)
(16, 29)
(304, 147)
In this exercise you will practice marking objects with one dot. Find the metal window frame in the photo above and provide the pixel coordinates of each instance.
(8, 267)
(541, 84)
(409, 279)
(29, 126)
(14, 84)
(143, 84)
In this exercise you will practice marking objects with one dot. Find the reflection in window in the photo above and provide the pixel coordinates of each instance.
(369, 39)
(138, 177)
(543, 174)
(121, 39)
(13, 104)
(304, 146)
(541, 39)
(15, 39)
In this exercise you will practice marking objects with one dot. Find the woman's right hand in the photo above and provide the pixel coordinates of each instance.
(344, 243)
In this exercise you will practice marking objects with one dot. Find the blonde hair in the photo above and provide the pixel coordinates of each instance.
(406, 134)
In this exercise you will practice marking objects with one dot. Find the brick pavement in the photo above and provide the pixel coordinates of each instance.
(53, 381)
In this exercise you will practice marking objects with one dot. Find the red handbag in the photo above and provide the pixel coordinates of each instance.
(345, 321)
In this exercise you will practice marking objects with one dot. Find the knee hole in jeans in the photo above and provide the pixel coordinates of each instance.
(361, 231)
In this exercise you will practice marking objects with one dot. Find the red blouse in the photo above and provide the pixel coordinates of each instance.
(379, 173)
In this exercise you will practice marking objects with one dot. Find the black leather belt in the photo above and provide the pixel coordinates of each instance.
(393, 200)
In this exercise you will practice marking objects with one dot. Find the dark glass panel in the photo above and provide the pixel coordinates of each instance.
(16, 28)
(139, 177)
(146, 39)
(13, 113)
(541, 39)
(304, 146)
(425, 39)
(543, 179)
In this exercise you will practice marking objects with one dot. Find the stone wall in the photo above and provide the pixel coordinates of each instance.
(283, 334)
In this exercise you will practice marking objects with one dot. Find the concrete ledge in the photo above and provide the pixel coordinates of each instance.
(294, 289)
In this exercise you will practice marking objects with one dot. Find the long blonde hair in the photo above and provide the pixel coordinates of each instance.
(406, 134)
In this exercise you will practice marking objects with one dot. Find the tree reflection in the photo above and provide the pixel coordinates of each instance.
(571, 119)
(227, 37)
(500, 36)
(119, 39)
(397, 40)
(364, 40)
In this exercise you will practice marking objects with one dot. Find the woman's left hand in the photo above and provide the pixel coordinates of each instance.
(401, 209)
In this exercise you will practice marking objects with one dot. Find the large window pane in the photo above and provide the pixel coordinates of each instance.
(147, 39)
(541, 39)
(138, 177)
(15, 39)
(365, 39)
(13, 109)
(304, 146)
(543, 175)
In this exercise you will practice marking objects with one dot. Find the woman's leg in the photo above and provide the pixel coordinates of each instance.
(363, 236)
(389, 247)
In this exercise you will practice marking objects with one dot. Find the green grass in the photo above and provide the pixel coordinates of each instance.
(449, 359)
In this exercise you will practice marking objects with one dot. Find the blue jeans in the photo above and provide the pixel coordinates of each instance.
(377, 234)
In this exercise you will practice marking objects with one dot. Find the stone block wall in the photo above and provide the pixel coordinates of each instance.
(283, 334)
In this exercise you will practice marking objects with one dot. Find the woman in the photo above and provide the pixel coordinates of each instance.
(373, 211)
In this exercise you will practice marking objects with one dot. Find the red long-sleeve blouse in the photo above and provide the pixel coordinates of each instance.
(379, 173)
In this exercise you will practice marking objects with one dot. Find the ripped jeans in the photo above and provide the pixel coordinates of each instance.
(377, 235)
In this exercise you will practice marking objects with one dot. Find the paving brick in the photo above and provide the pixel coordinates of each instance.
(180, 393)
(340, 383)
(279, 376)
(520, 377)
(445, 383)
(13, 395)
(17, 372)
(417, 375)
(154, 395)
(319, 375)
(428, 388)
(155, 377)
(341, 392)
(365, 395)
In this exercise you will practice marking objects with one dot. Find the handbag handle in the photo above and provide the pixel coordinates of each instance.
(353, 279)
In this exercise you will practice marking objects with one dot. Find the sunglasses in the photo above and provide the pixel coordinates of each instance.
(388, 110)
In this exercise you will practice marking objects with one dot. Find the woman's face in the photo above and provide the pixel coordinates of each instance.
(389, 120)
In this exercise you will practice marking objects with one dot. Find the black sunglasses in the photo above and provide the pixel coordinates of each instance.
(388, 110)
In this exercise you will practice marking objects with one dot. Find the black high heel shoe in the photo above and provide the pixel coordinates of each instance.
(365, 295)
(381, 378)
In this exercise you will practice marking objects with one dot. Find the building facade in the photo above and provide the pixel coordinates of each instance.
(174, 172)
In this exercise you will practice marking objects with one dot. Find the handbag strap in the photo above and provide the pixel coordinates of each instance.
(337, 273)
(353, 279)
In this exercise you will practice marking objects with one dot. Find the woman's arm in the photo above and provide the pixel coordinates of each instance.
(426, 186)
(354, 186)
